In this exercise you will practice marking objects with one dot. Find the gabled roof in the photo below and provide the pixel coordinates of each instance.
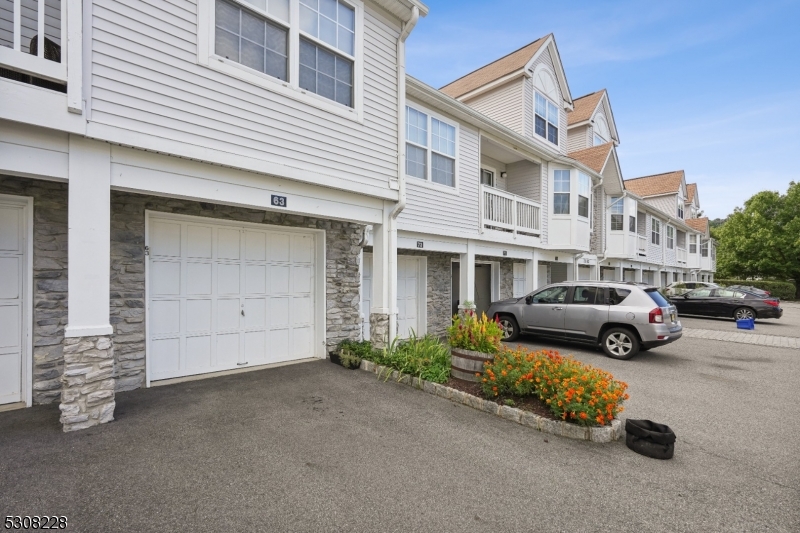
(594, 157)
(669, 182)
(495, 70)
(691, 191)
(585, 107)
(699, 224)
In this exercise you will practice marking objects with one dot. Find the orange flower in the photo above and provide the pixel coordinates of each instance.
(583, 416)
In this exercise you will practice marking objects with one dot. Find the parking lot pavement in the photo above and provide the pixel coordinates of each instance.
(314, 447)
(787, 326)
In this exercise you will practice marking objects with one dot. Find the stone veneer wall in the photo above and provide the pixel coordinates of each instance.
(127, 271)
(49, 280)
(506, 275)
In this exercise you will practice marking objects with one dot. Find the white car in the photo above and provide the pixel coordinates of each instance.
(678, 288)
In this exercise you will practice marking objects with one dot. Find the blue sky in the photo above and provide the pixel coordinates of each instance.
(709, 87)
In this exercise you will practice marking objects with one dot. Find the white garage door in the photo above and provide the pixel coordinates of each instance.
(224, 296)
(13, 262)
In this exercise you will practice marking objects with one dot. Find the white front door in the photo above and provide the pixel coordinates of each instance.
(13, 275)
(366, 292)
(224, 296)
(408, 296)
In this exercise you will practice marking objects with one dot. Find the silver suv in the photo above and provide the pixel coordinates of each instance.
(621, 317)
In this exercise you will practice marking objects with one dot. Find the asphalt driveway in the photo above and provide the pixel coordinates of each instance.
(787, 326)
(314, 447)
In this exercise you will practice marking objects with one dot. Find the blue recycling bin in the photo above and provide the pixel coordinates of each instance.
(746, 323)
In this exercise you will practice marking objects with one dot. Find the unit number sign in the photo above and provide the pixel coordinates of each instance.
(278, 201)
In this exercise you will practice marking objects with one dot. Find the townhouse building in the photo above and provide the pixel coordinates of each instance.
(185, 187)
(197, 187)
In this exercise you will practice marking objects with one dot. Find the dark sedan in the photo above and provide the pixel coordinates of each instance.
(723, 302)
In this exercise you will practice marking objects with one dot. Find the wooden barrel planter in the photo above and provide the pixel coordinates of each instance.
(464, 364)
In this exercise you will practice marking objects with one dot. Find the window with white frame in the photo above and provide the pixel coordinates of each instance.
(617, 210)
(704, 249)
(680, 208)
(713, 252)
(655, 234)
(632, 224)
(306, 45)
(561, 192)
(584, 194)
(670, 237)
(546, 119)
(598, 140)
(487, 177)
(692, 244)
(430, 148)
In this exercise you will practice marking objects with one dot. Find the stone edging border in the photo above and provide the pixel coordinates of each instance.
(603, 434)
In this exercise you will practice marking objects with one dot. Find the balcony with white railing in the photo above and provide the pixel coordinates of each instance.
(32, 36)
(508, 212)
(681, 255)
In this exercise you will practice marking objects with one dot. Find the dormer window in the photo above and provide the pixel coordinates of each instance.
(598, 140)
(680, 208)
(617, 210)
(546, 119)
(304, 49)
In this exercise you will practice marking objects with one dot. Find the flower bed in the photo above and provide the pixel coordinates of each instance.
(423, 357)
(573, 391)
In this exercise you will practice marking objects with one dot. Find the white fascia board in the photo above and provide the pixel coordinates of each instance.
(614, 133)
(33, 162)
(147, 173)
(409, 241)
(38, 107)
(202, 154)
(402, 8)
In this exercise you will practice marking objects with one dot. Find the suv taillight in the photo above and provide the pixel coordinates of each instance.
(773, 303)
(656, 316)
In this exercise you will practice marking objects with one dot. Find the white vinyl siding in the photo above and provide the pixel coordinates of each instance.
(665, 203)
(446, 210)
(523, 179)
(147, 85)
(503, 104)
(577, 138)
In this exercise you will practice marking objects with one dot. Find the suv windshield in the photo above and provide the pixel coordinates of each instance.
(657, 298)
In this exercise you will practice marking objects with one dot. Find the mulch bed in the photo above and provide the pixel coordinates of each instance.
(526, 403)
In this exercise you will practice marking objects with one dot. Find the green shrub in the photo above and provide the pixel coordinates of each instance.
(423, 357)
(348, 359)
(477, 334)
(573, 391)
(784, 290)
(362, 349)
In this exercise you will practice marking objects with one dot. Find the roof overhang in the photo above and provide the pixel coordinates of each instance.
(402, 9)
(550, 45)
(678, 223)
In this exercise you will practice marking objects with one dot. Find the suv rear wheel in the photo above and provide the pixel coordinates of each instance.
(620, 343)
(510, 328)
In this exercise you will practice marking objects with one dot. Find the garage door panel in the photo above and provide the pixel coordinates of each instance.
(165, 239)
(255, 313)
(198, 353)
(301, 340)
(11, 222)
(199, 240)
(228, 312)
(228, 279)
(278, 248)
(302, 279)
(301, 311)
(165, 357)
(278, 311)
(255, 246)
(165, 318)
(10, 280)
(227, 350)
(198, 315)
(255, 347)
(279, 279)
(228, 243)
(302, 249)
(278, 345)
(198, 278)
(255, 279)
(10, 378)
(165, 278)
(11, 330)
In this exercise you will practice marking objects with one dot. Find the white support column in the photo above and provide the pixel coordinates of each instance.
(89, 237)
(532, 274)
(619, 273)
(572, 274)
(639, 274)
(467, 277)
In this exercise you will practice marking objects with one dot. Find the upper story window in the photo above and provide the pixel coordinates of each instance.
(600, 129)
(670, 237)
(680, 208)
(430, 148)
(584, 194)
(704, 249)
(598, 140)
(632, 224)
(307, 49)
(617, 210)
(546, 119)
(561, 192)
(692, 244)
(713, 252)
(487, 177)
(655, 236)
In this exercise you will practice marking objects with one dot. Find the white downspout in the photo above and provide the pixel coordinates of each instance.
(401, 160)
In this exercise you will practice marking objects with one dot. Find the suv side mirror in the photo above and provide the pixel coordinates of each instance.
(529, 299)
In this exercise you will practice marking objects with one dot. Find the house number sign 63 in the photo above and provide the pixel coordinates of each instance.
(278, 201)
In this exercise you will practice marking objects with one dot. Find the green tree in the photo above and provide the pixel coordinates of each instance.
(763, 238)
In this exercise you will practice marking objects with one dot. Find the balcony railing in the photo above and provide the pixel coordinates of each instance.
(642, 244)
(506, 211)
(681, 255)
(31, 38)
